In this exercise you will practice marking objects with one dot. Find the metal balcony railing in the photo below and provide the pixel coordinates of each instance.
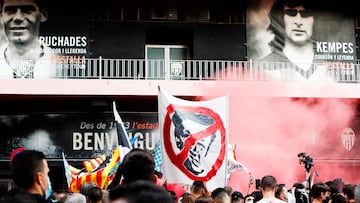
(144, 69)
(155, 69)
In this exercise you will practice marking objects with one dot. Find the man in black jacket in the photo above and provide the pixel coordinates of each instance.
(30, 173)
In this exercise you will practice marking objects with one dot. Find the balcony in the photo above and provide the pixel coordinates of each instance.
(142, 69)
(140, 77)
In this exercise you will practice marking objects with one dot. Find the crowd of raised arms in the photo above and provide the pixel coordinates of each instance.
(137, 182)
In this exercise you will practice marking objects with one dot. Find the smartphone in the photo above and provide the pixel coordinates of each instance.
(257, 184)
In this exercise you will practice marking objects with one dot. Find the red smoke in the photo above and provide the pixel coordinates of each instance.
(269, 132)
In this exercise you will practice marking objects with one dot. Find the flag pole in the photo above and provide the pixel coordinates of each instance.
(227, 137)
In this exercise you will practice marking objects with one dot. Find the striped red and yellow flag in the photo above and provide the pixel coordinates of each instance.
(102, 177)
(92, 164)
(71, 172)
(74, 172)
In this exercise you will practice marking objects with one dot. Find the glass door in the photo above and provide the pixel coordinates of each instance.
(165, 62)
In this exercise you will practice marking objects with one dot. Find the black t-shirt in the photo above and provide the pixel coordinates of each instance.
(22, 196)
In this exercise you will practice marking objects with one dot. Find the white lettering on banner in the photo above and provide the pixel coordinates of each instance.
(324, 56)
(75, 51)
(144, 142)
(77, 145)
(64, 41)
(345, 57)
(87, 141)
(84, 125)
(92, 140)
(334, 47)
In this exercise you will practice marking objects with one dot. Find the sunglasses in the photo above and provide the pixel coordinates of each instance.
(294, 12)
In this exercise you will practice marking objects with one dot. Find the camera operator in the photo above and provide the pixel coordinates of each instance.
(306, 160)
(308, 163)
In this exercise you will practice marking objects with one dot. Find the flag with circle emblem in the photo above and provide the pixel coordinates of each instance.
(193, 139)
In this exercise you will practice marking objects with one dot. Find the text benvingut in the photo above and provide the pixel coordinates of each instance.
(102, 140)
(64, 41)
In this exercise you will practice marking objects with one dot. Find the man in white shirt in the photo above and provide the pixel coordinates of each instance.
(268, 185)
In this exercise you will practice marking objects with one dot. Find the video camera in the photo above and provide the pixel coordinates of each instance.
(306, 160)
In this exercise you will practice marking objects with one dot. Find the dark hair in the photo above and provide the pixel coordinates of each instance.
(117, 192)
(337, 198)
(268, 182)
(276, 15)
(138, 164)
(148, 192)
(95, 194)
(299, 185)
(24, 167)
(332, 186)
(203, 199)
(236, 195)
(41, 3)
(197, 186)
(217, 192)
(349, 190)
(318, 188)
(141, 191)
(198, 183)
(85, 188)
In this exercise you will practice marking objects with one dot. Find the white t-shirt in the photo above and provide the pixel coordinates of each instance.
(270, 200)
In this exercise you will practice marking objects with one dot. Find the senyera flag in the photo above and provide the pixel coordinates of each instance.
(102, 175)
(194, 139)
(102, 169)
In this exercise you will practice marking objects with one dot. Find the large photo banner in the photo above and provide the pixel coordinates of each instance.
(47, 41)
(301, 40)
(79, 135)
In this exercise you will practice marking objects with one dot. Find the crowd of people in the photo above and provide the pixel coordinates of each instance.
(136, 181)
